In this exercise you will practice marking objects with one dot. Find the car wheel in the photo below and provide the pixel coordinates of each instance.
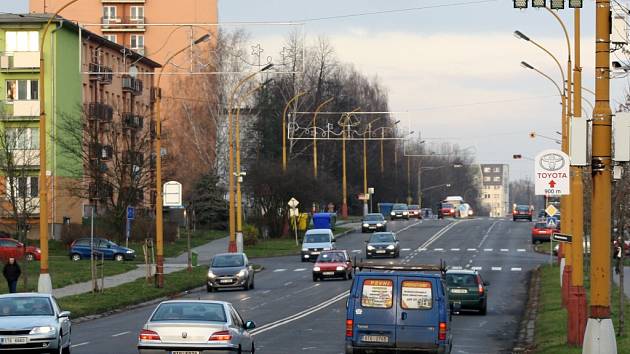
(253, 348)
(484, 310)
(396, 255)
(66, 350)
(315, 278)
(209, 288)
(345, 276)
(303, 259)
(29, 257)
(119, 258)
(75, 257)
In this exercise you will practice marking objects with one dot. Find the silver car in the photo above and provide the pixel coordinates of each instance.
(195, 327)
(230, 270)
(33, 322)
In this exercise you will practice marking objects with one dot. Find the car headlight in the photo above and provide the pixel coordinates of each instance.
(405, 213)
(130, 251)
(340, 268)
(304, 249)
(327, 248)
(390, 247)
(370, 247)
(211, 275)
(392, 213)
(316, 269)
(366, 225)
(379, 225)
(43, 330)
(242, 273)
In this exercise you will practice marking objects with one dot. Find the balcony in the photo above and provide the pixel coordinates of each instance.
(100, 112)
(100, 191)
(101, 73)
(123, 1)
(123, 24)
(132, 121)
(26, 108)
(133, 85)
(25, 157)
(133, 158)
(19, 61)
(101, 152)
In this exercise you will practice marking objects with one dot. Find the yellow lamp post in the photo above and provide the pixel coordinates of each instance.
(319, 107)
(284, 129)
(344, 190)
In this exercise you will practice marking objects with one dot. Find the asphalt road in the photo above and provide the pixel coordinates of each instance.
(294, 314)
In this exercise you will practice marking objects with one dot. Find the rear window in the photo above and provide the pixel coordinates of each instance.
(377, 293)
(82, 242)
(540, 225)
(461, 280)
(522, 208)
(400, 206)
(190, 311)
(416, 295)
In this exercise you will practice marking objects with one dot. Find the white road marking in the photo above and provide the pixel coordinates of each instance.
(515, 269)
(245, 298)
(299, 269)
(279, 270)
(471, 250)
(455, 249)
(496, 268)
(288, 283)
(120, 334)
(438, 249)
(476, 268)
(356, 251)
(504, 250)
(456, 268)
(487, 249)
(520, 250)
(421, 249)
(79, 345)
(406, 249)
(487, 234)
(266, 291)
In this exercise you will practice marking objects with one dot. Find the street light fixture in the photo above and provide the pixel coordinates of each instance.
(557, 4)
(575, 4)
(520, 4)
(539, 3)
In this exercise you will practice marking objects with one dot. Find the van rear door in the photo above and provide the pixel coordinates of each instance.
(375, 312)
(418, 313)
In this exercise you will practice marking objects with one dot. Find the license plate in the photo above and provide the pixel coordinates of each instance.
(315, 252)
(380, 251)
(225, 281)
(13, 340)
(377, 339)
(372, 227)
(328, 273)
(459, 291)
(185, 352)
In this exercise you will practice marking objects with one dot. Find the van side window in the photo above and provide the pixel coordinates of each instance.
(416, 295)
(377, 293)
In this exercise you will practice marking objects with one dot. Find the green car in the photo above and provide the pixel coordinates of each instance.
(468, 289)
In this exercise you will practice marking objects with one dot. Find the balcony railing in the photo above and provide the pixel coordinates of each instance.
(122, 1)
(101, 73)
(123, 24)
(132, 85)
(19, 60)
(133, 121)
(100, 191)
(25, 108)
(100, 111)
(133, 158)
(25, 157)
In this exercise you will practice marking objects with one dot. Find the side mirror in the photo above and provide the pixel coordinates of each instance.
(109, 245)
(250, 325)
(64, 314)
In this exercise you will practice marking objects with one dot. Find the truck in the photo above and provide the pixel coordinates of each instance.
(385, 208)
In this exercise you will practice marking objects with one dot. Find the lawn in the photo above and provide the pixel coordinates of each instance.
(275, 247)
(551, 323)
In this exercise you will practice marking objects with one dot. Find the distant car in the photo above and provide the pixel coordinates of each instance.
(522, 212)
(399, 211)
(32, 320)
(382, 244)
(414, 211)
(463, 211)
(10, 248)
(195, 326)
(316, 241)
(427, 213)
(466, 288)
(373, 222)
(541, 233)
(446, 210)
(332, 264)
(80, 249)
(230, 270)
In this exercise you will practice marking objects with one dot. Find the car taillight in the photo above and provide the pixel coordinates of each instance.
(480, 289)
(452, 210)
(223, 336)
(349, 324)
(514, 212)
(146, 334)
(442, 331)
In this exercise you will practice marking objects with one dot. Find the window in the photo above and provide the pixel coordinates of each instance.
(497, 169)
(416, 295)
(22, 90)
(22, 41)
(486, 169)
(137, 41)
(137, 13)
(22, 138)
(111, 37)
(486, 179)
(497, 179)
(109, 13)
(377, 293)
(26, 187)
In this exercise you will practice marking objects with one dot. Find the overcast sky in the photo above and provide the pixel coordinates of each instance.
(453, 64)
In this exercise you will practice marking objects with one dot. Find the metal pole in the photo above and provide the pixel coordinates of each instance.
(600, 335)
(319, 107)
(284, 129)
(92, 268)
(187, 218)
(344, 198)
(365, 190)
(382, 152)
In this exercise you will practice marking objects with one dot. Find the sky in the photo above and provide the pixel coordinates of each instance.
(451, 67)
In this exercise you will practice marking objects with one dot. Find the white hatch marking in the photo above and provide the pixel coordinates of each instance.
(120, 334)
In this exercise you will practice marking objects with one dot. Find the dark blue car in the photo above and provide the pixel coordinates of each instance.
(407, 310)
(80, 249)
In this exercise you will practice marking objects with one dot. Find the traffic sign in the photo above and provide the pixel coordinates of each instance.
(131, 213)
(293, 203)
(363, 196)
(562, 238)
(551, 173)
(551, 210)
(552, 222)
(172, 194)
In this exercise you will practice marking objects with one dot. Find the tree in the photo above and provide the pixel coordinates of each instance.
(208, 202)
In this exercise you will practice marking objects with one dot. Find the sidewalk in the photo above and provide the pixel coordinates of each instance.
(626, 280)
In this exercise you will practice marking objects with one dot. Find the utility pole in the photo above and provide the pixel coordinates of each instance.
(600, 334)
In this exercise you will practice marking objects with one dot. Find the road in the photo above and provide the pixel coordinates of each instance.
(295, 315)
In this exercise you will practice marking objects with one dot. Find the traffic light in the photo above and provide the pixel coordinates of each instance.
(517, 156)
(532, 135)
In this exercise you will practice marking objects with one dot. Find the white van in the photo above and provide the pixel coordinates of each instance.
(316, 241)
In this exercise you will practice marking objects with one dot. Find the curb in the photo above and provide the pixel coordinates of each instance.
(345, 233)
(525, 342)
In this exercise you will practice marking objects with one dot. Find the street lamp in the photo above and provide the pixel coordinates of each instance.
(284, 129)
(159, 225)
(344, 190)
(365, 187)
(319, 107)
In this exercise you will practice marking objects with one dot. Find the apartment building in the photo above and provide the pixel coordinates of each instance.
(99, 124)
(495, 183)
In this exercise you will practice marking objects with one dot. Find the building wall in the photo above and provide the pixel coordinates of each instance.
(495, 189)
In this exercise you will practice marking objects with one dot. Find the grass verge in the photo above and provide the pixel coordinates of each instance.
(551, 323)
(276, 247)
(133, 293)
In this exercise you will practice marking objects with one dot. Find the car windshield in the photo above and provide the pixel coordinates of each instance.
(25, 306)
(400, 206)
(461, 280)
(189, 311)
(381, 238)
(231, 260)
(540, 225)
(373, 217)
(447, 206)
(522, 208)
(414, 207)
(317, 238)
(331, 257)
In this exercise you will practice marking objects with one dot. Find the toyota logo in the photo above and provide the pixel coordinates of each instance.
(552, 162)
(184, 335)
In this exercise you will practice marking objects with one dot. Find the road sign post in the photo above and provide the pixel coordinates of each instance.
(131, 215)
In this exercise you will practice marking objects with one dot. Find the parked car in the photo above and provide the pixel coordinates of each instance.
(332, 264)
(466, 288)
(32, 320)
(196, 326)
(445, 210)
(373, 222)
(399, 211)
(398, 308)
(230, 270)
(522, 212)
(316, 241)
(414, 211)
(541, 233)
(382, 244)
(10, 248)
(80, 249)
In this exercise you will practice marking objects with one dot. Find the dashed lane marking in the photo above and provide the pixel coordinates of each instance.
(455, 249)
(521, 250)
(421, 249)
(288, 283)
(497, 268)
(515, 269)
(120, 334)
(356, 251)
(245, 298)
(279, 270)
(487, 249)
(406, 249)
(299, 269)
(471, 250)
(476, 268)
(266, 291)
(504, 250)
(79, 345)
(438, 249)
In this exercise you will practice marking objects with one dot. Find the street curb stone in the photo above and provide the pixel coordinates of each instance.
(526, 340)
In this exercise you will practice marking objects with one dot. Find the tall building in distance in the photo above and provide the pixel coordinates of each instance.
(495, 189)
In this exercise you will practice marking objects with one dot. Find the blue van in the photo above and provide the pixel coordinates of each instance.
(324, 220)
(396, 308)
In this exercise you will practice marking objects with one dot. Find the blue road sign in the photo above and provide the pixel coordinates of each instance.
(552, 221)
(131, 213)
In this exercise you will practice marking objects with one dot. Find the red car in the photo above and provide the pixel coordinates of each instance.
(446, 209)
(332, 264)
(10, 248)
(541, 233)
(414, 211)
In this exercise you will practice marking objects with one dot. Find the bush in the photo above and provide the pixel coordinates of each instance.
(250, 235)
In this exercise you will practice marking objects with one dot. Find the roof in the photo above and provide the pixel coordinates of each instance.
(25, 295)
(41, 18)
(401, 273)
(461, 271)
